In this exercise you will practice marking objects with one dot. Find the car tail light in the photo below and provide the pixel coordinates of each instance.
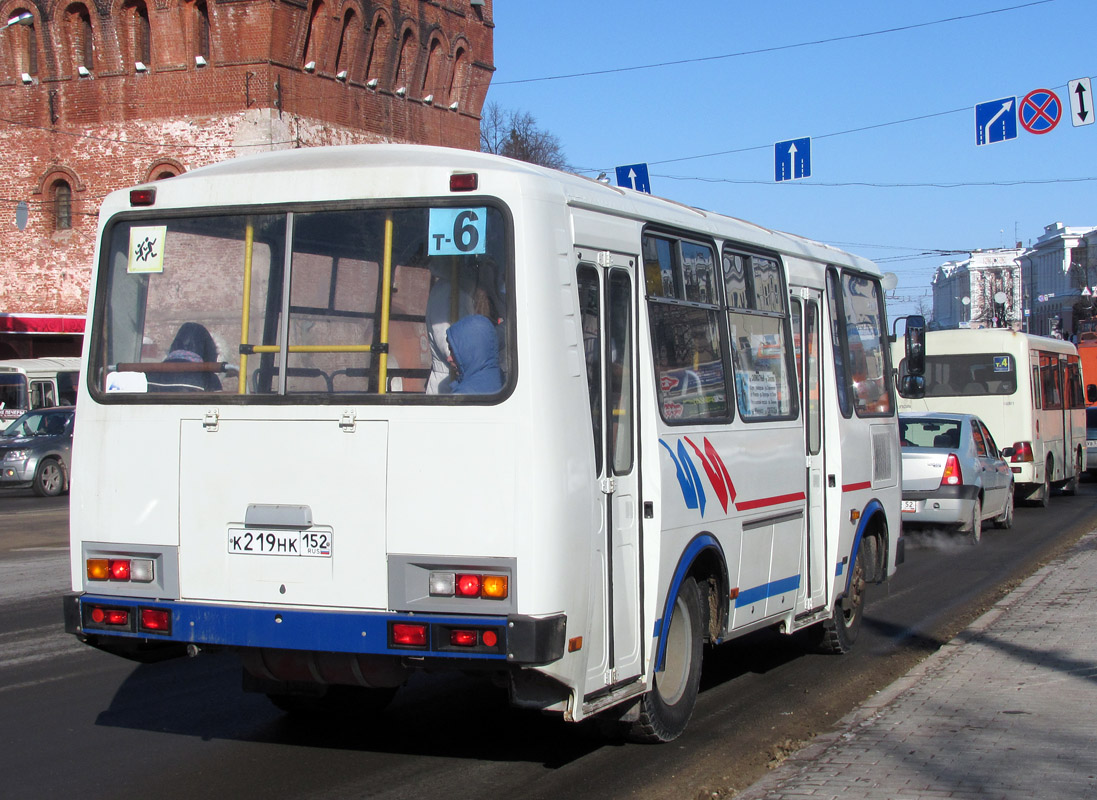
(1022, 451)
(953, 475)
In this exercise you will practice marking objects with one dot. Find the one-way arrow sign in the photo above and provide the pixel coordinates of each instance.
(1081, 102)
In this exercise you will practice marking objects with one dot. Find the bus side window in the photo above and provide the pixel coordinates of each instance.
(41, 395)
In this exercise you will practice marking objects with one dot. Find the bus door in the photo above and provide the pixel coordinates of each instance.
(607, 300)
(808, 326)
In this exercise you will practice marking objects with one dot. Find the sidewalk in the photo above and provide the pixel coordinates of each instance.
(1008, 709)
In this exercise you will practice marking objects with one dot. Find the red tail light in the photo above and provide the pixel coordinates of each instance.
(463, 638)
(409, 635)
(109, 616)
(120, 570)
(468, 585)
(953, 475)
(156, 619)
(1022, 451)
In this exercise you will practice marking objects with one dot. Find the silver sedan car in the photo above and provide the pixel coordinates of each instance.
(953, 474)
(35, 451)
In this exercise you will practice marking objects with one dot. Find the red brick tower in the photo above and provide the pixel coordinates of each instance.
(95, 96)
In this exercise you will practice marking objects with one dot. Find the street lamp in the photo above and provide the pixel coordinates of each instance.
(22, 18)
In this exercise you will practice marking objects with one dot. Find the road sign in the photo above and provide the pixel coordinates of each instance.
(995, 121)
(634, 176)
(1040, 111)
(792, 159)
(1081, 102)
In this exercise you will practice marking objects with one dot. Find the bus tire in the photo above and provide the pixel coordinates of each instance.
(49, 478)
(1071, 486)
(667, 708)
(1043, 497)
(840, 631)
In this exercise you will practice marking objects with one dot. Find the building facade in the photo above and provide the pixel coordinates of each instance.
(1057, 270)
(99, 96)
(985, 290)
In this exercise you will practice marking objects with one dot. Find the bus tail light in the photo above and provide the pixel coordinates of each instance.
(463, 638)
(953, 475)
(469, 585)
(403, 634)
(131, 570)
(117, 617)
(156, 619)
(1022, 451)
(464, 182)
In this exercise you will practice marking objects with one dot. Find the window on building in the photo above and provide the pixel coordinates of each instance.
(62, 205)
(406, 65)
(375, 63)
(202, 30)
(23, 41)
(458, 82)
(140, 32)
(314, 36)
(346, 43)
(433, 72)
(79, 35)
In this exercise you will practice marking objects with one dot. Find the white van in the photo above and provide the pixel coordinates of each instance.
(27, 383)
(1028, 391)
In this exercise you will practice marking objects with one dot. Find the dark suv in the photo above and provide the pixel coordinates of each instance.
(35, 451)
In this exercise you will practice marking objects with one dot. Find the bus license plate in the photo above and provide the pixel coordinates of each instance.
(313, 544)
(910, 506)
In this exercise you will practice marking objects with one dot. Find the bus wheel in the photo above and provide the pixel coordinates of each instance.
(665, 710)
(1044, 496)
(49, 480)
(1005, 519)
(1071, 486)
(840, 631)
(333, 701)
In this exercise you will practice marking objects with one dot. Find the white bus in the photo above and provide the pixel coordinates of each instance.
(27, 383)
(664, 427)
(1028, 391)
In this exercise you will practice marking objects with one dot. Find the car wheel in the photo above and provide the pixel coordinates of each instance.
(1005, 519)
(49, 479)
(665, 710)
(975, 530)
(840, 631)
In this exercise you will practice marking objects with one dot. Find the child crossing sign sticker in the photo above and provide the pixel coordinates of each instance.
(147, 249)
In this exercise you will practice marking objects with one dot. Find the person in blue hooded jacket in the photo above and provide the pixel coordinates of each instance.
(474, 350)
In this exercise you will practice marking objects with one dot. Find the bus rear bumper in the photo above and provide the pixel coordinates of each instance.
(151, 629)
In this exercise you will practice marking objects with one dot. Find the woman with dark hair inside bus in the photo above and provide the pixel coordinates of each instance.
(192, 344)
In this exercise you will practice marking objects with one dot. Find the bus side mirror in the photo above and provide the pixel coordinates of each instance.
(1091, 393)
(913, 387)
(916, 345)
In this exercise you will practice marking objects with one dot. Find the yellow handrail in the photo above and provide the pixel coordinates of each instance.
(386, 301)
(312, 348)
(245, 316)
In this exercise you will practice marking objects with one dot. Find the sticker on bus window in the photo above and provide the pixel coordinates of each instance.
(147, 249)
(458, 232)
(1001, 363)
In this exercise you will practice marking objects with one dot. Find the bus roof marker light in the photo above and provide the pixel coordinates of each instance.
(464, 182)
(142, 197)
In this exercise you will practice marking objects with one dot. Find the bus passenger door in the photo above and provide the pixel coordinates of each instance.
(809, 332)
(607, 290)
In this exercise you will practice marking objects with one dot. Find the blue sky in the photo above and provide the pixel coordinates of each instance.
(889, 192)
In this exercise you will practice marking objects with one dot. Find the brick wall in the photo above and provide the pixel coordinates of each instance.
(117, 126)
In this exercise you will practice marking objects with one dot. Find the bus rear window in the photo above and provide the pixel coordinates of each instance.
(324, 303)
(967, 374)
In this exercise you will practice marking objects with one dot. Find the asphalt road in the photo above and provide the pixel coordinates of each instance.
(80, 723)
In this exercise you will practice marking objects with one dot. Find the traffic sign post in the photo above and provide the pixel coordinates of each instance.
(792, 159)
(995, 121)
(634, 176)
(1040, 111)
(1081, 102)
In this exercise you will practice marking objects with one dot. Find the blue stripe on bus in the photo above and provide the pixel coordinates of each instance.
(290, 628)
(770, 589)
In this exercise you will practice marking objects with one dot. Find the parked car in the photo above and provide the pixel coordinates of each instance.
(953, 474)
(35, 451)
(1091, 441)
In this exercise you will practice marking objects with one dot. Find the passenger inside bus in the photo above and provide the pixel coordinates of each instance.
(459, 288)
(193, 344)
(474, 353)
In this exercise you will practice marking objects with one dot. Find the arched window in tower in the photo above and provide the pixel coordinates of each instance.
(201, 30)
(22, 41)
(348, 37)
(314, 37)
(405, 67)
(62, 205)
(79, 38)
(136, 15)
(458, 80)
(432, 75)
(375, 63)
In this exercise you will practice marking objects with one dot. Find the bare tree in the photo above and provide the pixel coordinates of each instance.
(515, 134)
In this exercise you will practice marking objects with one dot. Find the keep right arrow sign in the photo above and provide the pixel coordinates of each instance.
(1081, 102)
